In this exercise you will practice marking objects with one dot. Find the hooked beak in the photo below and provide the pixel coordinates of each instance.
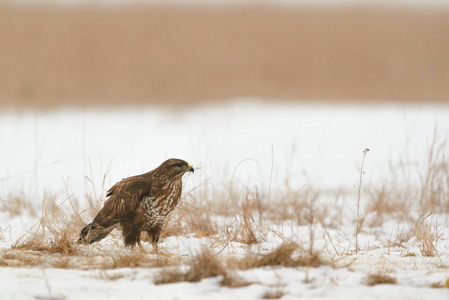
(190, 169)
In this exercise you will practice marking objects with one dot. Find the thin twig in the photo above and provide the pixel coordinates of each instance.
(327, 233)
(271, 174)
(359, 190)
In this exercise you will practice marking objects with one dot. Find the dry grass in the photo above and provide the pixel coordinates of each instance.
(240, 219)
(359, 221)
(375, 279)
(253, 216)
(52, 236)
(274, 294)
(62, 244)
(384, 204)
(58, 226)
(17, 205)
(2, 235)
(286, 255)
(416, 192)
(136, 259)
(190, 217)
(241, 226)
(204, 265)
(21, 259)
(295, 204)
(62, 263)
(428, 236)
(110, 276)
(247, 231)
(414, 187)
(55, 232)
(441, 285)
(80, 259)
(434, 194)
(126, 261)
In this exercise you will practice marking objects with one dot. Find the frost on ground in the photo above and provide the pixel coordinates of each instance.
(271, 211)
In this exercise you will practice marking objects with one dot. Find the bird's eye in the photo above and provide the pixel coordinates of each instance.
(178, 165)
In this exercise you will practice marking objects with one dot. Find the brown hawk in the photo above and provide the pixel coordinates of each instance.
(139, 203)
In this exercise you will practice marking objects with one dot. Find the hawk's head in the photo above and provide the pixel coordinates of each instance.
(175, 167)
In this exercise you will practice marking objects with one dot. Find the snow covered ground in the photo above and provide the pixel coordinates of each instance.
(326, 283)
(319, 145)
(242, 145)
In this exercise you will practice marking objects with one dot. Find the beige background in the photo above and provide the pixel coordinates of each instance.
(78, 55)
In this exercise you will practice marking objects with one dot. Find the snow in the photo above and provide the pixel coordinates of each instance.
(325, 283)
(240, 142)
(315, 145)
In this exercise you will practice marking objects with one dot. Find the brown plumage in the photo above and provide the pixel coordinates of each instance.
(139, 203)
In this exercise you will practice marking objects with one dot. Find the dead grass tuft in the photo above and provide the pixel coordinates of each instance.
(21, 259)
(434, 195)
(273, 294)
(126, 260)
(441, 285)
(3, 262)
(375, 279)
(135, 259)
(202, 266)
(205, 265)
(283, 256)
(61, 244)
(62, 263)
(247, 231)
(190, 217)
(109, 276)
(428, 237)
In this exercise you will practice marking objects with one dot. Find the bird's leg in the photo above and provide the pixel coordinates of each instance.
(155, 249)
(142, 250)
(154, 235)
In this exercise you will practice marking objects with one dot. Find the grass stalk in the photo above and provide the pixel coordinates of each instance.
(359, 191)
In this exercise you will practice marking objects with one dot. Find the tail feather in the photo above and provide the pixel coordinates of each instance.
(92, 233)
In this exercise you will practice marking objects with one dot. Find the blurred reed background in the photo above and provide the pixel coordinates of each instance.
(52, 55)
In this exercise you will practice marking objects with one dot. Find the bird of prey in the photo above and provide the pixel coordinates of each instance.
(139, 203)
